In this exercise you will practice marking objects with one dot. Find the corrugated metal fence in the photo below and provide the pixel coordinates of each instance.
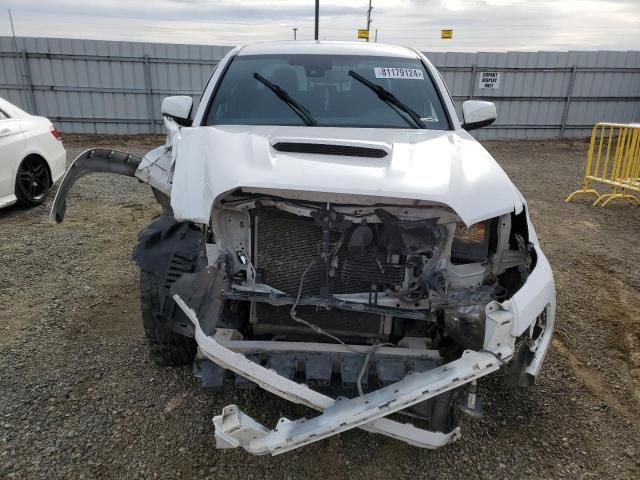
(547, 94)
(91, 86)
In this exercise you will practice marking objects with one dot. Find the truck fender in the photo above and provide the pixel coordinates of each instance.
(94, 160)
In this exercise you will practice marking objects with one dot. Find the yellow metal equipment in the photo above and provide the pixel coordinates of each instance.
(613, 160)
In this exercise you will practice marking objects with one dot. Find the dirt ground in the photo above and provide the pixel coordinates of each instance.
(79, 397)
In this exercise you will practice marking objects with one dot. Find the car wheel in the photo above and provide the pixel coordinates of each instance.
(32, 181)
(166, 347)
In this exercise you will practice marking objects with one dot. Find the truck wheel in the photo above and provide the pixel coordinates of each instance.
(515, 375)
(166, 347)
(526, 346)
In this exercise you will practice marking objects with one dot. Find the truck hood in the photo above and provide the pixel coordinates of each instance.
(445, 167)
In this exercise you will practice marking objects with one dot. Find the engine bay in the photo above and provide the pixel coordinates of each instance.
(363, 274)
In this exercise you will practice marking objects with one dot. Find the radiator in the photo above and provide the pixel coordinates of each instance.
(285, 245)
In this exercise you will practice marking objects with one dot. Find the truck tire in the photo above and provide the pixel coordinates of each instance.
(166, 347)
(515, 374)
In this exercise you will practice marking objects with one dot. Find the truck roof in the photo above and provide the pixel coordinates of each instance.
(326, 48)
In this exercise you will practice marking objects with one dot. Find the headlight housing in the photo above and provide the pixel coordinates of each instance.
(470, 244)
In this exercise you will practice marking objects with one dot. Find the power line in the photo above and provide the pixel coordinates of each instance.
(501, 28)
(317, 30)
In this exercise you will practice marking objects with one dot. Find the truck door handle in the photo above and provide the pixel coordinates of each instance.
(4, 132)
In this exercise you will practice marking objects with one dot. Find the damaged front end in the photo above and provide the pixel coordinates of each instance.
(359, 311)
(358, 306)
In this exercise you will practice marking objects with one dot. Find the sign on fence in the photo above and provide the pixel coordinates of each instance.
(489, 80)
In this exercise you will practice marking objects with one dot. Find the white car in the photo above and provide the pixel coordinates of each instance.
(32, 157)
(333, 234)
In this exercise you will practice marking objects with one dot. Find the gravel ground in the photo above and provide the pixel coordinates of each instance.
(79, 397)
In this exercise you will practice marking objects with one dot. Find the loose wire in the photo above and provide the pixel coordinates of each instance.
(320, 331)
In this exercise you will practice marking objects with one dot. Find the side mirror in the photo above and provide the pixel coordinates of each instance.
(178, 107)
(478, 114)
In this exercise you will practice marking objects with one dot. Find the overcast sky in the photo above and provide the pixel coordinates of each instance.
(478, 25)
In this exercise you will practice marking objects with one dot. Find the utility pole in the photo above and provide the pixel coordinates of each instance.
(369, 19)
(295, 32)
(18, 63)
(317, 18)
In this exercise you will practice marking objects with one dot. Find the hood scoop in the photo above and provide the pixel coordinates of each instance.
(330, 149)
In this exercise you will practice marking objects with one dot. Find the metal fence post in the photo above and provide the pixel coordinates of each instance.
(472, 83)
(29, 83)
(568, 101)
(147, 85)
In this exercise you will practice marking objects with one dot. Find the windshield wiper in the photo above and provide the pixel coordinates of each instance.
(282, 94)
(388, 97)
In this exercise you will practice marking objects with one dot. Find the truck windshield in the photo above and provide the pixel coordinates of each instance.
(327, 89)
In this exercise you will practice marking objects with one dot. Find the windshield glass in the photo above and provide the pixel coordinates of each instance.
(322, 85)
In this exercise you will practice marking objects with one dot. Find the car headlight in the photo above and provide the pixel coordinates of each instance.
(470, 244)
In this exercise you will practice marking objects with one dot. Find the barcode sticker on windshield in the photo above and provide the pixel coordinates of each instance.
(407, 73)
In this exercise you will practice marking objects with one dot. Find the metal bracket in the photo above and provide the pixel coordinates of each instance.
(235, 429)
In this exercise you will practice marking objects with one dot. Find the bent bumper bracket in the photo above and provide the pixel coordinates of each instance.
(234, 428)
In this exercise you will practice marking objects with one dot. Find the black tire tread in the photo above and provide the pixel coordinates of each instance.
(514, 372)
(166, 347)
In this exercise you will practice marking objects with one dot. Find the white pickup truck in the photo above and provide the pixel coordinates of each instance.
(333, 234)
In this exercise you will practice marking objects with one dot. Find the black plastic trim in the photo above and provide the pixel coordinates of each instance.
(216, 87)
(476, 125)
(328, 149)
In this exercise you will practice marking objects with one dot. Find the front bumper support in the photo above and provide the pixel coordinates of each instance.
(234, 428)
